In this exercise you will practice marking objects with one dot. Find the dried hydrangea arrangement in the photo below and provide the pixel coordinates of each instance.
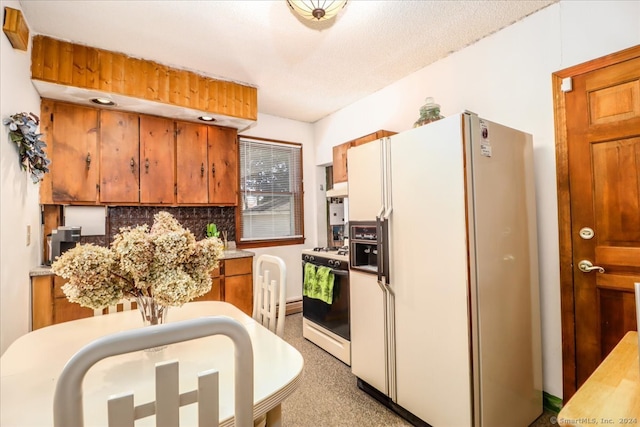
(164, 262)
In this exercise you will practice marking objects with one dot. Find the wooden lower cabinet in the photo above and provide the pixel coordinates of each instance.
(232, 282)
(49, 305)
(238, 283)
(215, 294)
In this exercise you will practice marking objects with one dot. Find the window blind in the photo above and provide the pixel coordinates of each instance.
(270, 190)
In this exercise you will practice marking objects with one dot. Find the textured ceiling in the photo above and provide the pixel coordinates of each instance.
(303, 70)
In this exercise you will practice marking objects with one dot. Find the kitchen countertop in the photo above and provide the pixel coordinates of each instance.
(45, 270)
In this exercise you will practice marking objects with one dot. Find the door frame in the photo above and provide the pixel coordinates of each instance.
(569, 385)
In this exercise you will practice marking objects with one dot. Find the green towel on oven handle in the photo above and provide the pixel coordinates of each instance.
(310, 280)
(324, 287)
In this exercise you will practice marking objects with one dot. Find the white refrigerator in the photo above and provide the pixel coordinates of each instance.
(448, 332)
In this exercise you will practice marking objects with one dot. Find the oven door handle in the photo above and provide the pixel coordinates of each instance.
(336, 272)
(340, 272)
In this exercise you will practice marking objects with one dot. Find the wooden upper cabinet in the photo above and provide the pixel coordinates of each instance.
(223, 165)
(102, 156)
(157, 160)
(74, 154)
(340, 166)
(192, 166)
(340, 162)
(119, 157)
(371, 137)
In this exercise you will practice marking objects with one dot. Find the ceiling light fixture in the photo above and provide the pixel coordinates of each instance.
(206, 119)
(319, 10)
(103, 101)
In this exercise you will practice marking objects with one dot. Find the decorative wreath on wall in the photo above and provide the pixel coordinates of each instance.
(22, 131)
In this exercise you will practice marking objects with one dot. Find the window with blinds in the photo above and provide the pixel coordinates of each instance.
(270, 191)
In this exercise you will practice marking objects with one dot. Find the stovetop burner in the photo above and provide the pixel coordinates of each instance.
(340, 253)
(342, 250)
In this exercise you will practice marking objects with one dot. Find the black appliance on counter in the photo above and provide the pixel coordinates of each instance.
(63, 239)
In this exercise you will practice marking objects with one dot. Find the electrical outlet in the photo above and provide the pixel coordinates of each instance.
(28, 235)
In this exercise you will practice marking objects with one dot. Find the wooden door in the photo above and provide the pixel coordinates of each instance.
(599, 208)
(223, 165)
(192, 170)
(157, 157)
(119, 157)
(75, 157)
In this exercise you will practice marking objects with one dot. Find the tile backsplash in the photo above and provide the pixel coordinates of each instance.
(193, 218)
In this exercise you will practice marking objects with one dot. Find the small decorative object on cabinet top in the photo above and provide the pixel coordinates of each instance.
(22, 131)
(429, 112)
(164, 262)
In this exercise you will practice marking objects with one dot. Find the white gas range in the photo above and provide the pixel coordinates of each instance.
(328, 325)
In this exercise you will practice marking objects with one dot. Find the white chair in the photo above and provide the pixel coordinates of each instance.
(67, 402)
(122, 305)
(267, 291)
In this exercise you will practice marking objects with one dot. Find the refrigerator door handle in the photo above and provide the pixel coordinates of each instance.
(379, 247)
(383, 178)
(388, 205)
(383, 250)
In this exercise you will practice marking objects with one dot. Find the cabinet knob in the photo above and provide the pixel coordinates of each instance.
(146, 165)
(133, 165)
(213, 168)
(88, 160)
(202, 169)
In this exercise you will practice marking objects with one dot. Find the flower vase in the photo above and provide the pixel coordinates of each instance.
(153, 313)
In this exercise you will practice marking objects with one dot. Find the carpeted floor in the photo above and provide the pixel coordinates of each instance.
(329, 397)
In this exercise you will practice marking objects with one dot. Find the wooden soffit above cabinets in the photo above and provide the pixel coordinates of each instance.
(75, 73)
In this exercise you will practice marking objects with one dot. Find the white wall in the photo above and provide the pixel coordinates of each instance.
(280, 129)
(506, 78)
(19, 205)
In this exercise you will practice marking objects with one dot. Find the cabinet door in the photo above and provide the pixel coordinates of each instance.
(119, 157)
(157, 155)
(192, 165)
(340, 162)
(238, 283)
(63, 310)
(238, 290)
(41, 302)
(215, 294)
(223, 165)
(74, 160)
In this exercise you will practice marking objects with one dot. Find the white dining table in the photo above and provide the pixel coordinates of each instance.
(30, 368)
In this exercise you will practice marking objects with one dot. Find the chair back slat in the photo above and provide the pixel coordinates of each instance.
(167, 394)
(272, 288)
(208, 403)
(270, 294)
(267, 307)
(120, 410)
(166, 408)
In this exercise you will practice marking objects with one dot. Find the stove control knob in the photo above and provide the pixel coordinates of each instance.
(331, 262)
(337, 263)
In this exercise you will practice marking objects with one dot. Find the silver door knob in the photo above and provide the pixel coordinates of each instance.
(587, 267)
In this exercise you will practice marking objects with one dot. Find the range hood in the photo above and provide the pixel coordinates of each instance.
(339, 190)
